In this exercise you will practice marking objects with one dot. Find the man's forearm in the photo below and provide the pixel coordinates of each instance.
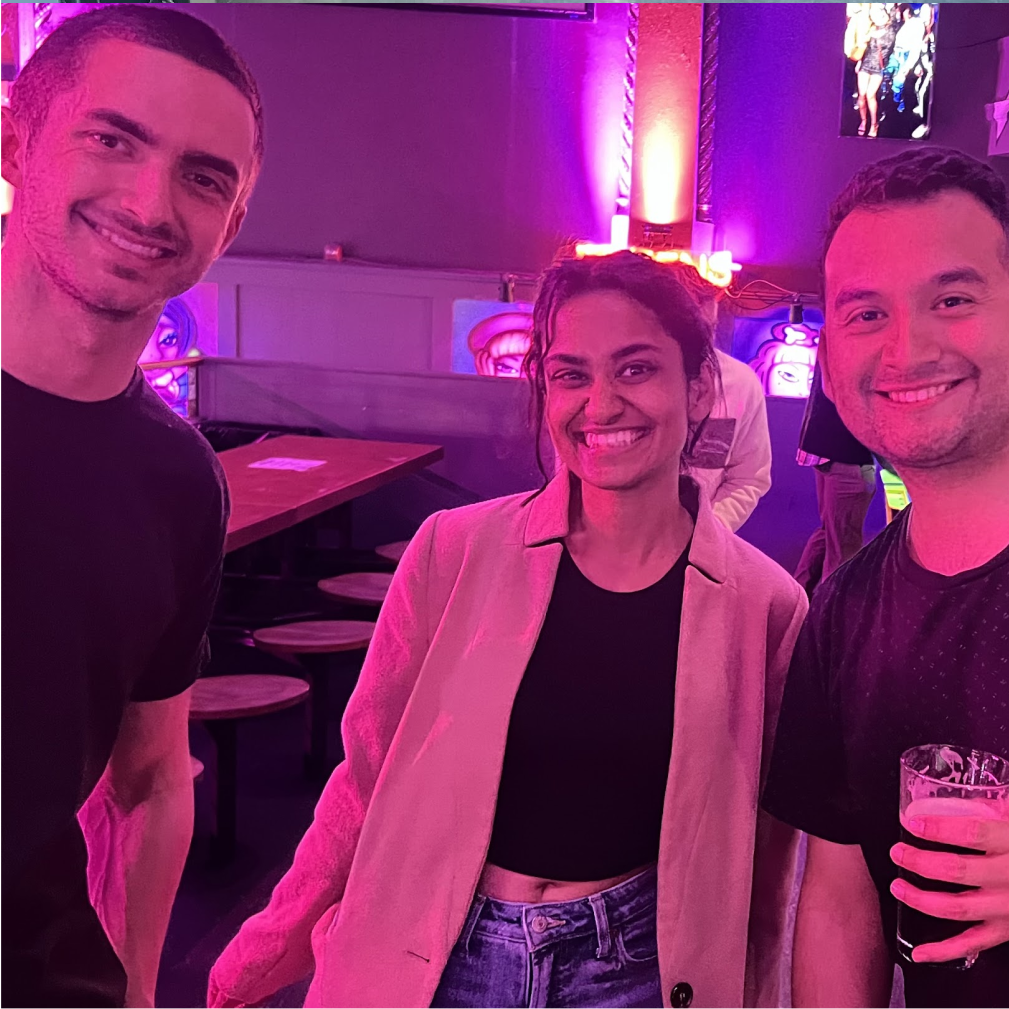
(840, 958)
(135, 860)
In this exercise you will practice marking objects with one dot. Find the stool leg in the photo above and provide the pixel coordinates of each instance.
(317, 760)
(225, 734)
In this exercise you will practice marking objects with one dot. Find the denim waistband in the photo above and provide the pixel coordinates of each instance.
(538, 925)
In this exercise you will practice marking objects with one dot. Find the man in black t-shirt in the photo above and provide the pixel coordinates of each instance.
(845, 475)
(132, 141)
(908, 642)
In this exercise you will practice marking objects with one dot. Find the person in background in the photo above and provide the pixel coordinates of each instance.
(906, 644)
(879, 42)
(132, 141)
(845, 473)
(555, 748)
(730, 456)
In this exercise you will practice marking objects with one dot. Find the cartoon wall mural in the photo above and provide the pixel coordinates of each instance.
(187, 329)
(490, 337)
(783, 354)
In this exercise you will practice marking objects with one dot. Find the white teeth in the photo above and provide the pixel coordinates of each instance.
(612, 439)
(919, 395)
(141, 250)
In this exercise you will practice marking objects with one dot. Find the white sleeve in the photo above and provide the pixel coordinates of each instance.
(747, 475)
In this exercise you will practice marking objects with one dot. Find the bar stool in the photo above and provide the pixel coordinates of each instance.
(313, 643)
(392, 551)
(359, 588)
(221, 702)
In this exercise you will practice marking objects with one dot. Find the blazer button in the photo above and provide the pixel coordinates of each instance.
(681, 996)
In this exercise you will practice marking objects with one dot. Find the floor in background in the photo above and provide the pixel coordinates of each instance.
(275, 804)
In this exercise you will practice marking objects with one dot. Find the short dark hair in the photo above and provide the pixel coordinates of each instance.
(914, 176)
(653, 285)
(58, 62)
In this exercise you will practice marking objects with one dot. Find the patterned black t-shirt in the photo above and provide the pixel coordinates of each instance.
(893, 656)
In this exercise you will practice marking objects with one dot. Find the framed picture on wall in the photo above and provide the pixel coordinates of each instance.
(889, 70)
(781, 353)
(490, 338)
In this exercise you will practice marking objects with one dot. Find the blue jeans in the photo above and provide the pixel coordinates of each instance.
(600, 950)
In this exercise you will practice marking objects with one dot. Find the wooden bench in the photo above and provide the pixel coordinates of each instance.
(314, 643)
(359, 588)
(221, 702)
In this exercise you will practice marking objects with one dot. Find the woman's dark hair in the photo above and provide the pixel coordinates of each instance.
(916, 176)
(642, 279)
(57, 64)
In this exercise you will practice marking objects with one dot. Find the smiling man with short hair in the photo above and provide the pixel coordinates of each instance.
(133, 140)
(908, 642)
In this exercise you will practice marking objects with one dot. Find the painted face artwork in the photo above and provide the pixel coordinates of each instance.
(785, 363)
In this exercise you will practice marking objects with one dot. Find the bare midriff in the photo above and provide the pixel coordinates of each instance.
(516, 887)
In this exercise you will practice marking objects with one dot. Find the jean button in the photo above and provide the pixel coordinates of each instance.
(540, 924)
(682, 995)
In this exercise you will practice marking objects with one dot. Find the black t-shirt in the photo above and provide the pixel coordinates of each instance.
(591, 732)
(114, 516)
(893, 656)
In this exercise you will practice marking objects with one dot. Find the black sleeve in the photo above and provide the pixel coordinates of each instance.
(807, 784)
(184, 651)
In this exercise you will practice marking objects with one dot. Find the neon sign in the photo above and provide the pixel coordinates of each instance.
(716, 268)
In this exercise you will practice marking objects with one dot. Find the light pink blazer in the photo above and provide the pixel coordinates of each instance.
(382, 881)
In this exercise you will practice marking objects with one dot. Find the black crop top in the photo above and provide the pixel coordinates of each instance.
(591, 732)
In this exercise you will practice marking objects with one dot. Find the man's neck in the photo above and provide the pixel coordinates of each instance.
(959, 515)
(53, 343)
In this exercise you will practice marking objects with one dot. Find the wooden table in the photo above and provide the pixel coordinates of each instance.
(269, 500)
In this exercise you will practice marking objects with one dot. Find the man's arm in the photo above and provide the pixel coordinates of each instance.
(138, 823)
(840, 957)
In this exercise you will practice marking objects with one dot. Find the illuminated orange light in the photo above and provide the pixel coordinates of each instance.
(716, 268)
(661, 166)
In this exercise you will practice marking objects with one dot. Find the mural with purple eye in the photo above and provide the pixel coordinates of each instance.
(490, 338)
(187, 329)
(781, 353)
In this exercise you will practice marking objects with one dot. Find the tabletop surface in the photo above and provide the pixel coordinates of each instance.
(277, 483)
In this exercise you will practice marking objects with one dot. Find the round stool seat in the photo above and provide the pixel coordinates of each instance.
(219, 697)
(361, 587)
(315, 637)
(196, 766)
(393, 551)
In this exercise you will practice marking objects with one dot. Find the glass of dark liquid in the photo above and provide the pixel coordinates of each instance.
(944, 780)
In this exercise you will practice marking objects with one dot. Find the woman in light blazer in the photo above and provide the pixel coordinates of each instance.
(556, 747)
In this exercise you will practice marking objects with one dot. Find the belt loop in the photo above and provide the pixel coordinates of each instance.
(474, 916)
(602, 925)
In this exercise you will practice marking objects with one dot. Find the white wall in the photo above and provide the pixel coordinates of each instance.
(344, 315)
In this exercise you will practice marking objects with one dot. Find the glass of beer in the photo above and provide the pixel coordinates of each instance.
(943, 780)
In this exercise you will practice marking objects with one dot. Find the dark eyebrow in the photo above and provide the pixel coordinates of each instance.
(960, 275)
(849, 294)
(632, 349)
(617, 355)
(201, 159)
(571, 359)
(193, 159)
(124, 123)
